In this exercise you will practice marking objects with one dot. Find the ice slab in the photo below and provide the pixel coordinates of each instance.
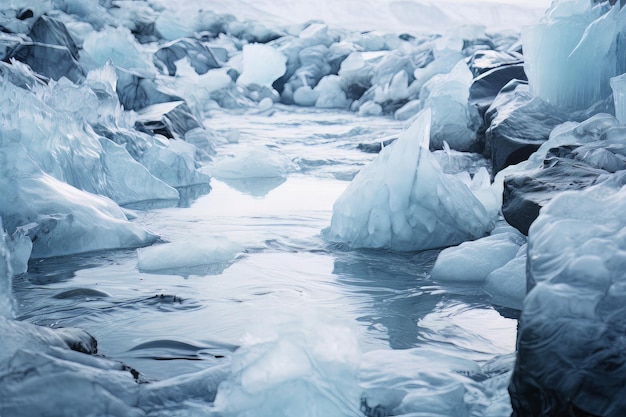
(262, 65)
(185, 257)
(404, 201)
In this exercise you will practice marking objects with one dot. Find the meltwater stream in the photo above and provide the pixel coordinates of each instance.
(308, 328)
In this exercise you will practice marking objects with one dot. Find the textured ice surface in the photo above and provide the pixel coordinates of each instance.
(294, 371)
(453, 120)
(475, 260)
(618, 84)
(562, 53)
(253, 162)
(6, 301)
(262, 65)
(117, 45)
(62, 219)
(179, 256)
(507, 284)
(403, 200)
(572, 323)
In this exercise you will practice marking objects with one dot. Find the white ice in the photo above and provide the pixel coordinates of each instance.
(403, 200)
(262, 65)
(252, 162)
(507, 284)
(182, 255)
(475, 260)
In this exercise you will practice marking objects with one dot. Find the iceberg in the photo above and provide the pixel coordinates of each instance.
(404, 201)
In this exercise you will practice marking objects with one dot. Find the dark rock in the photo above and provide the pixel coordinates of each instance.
(25, 14)
(171, 120)
(486, 60)
(52, 32)
(486, 86)
(517, 124)
(52, 61)
(201, 57)
(525, 193)
(137, 92)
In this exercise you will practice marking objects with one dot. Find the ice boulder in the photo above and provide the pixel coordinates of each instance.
(453, 120)
(60, 219)
(475, 260)
(507, 284)
(262, 65)
(252, 162)
(404, 201)
(571, 349)
(117, 45)
(200, 56)
(573, 52)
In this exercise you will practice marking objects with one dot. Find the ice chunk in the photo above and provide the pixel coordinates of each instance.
(180, 257)
(305, 96)
(474, 261)
(573, 317)
(262, 65)
(572, 53)
(370, 108)
(331, 95)
(507, 284)
(618, 84)
(252, 162)
(69, 220)
(117, 45)
(294, 371)
(453, 120)
(407, 111)
(404, 201)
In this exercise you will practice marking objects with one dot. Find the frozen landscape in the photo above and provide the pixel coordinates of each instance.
(312, 209)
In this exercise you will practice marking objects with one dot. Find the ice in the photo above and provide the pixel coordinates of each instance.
(453, 120)
(370, 108)
(117, 45)
(6, 300)
(475, 260)
(404, 201)
(252, 162)
(308, 369)
(183, 256)
(507, 284)
(262, 65)
(618, 84)
(574, 312)
(331, 95)
(572, 53)
(68, 220)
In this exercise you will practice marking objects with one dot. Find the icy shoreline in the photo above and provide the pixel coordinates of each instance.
(107, 105)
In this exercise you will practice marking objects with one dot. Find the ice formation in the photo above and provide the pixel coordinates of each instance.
(571, 325)
(404, 201)
(262, 65)
(507, 284)
(183, 256)
(562, 52)
(618, 84)
(475, 260)
(252, 162)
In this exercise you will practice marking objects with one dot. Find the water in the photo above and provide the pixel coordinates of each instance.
(365, 323)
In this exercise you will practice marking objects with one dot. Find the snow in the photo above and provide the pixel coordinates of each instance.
(182, 256)
(404, 201)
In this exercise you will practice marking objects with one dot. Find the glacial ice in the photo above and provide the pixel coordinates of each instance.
(404, 201)
(618, 85)
(475, 260)
(181, 256)
(117, 45)
(507, 284)
(6, 272)
(453, 120)
(252, 162)
(572, 323)
(262, 65)
(562, 52)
